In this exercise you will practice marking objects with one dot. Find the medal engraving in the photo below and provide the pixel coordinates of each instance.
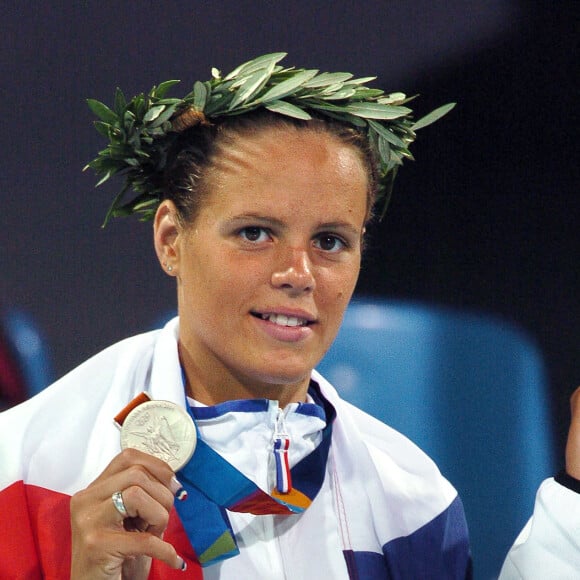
(162, 429)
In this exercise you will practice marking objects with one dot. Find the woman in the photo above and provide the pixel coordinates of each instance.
(259, 214)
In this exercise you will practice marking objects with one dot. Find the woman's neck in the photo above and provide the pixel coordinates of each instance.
(211, 385)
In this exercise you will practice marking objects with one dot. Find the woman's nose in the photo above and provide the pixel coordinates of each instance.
(294, 272)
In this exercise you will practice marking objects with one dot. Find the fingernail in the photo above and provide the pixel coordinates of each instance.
(183, 566)
(175, 485)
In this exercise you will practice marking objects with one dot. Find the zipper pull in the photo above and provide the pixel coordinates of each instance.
(281, 447)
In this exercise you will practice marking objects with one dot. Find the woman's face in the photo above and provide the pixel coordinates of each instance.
(269, 264)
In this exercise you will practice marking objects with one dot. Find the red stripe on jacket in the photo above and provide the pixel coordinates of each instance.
(35, 537)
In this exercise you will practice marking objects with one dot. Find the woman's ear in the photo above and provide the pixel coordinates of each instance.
(166, 230)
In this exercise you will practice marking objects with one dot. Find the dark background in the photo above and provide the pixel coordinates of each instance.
(486, 219)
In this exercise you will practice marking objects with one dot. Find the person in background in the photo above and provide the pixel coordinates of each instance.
(12, 384)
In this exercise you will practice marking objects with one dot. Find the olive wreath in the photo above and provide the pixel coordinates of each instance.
(140, 131)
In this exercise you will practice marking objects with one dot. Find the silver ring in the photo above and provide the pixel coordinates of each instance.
(117, 498)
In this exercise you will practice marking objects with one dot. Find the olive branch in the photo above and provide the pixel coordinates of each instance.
(140, 131)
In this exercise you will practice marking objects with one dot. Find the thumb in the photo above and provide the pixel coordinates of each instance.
(573, 444)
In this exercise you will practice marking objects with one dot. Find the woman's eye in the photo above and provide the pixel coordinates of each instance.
(254, 234)
(330, 243)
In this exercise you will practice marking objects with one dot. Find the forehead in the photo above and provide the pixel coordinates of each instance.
(290, 166)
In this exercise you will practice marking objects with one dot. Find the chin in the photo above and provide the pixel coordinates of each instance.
(282, 377)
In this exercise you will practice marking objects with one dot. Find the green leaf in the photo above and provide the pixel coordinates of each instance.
(432, 116)
(387, 134)
(387, 190)
(395, 160)
(344, 93)
(163, 117)
(102, 128)
(384, 149)
(366, 94)
(288, 86)
(102, 111)
(377, 111)
(218, 103)
(251, 66)
(120, 102)
(343, 117)
(321, 105)
(153, 113)
(325, 79)
(169, 101)
(250, 87)
(116, 202)
(393, 99)
(141, 106)
(288, 109)
(161, 90)
(199, 95)
(236, 83)
(361, 81)
(330, 89)
(147, 215)
(104, 178)
(146, 203)
(285, 74)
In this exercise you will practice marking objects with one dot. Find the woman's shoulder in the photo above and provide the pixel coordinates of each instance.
(59, 424)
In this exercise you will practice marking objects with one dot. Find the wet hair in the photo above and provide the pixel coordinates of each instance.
(191, 154)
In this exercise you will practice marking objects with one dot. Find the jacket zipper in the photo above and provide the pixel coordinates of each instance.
(281, 446)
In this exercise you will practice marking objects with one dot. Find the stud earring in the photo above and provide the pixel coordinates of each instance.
(169, 268)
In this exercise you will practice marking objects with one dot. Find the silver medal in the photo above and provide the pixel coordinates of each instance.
(162, 429)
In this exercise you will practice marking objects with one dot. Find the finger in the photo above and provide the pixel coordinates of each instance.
(129, 471)
(109, 551)
(145, 503)
(147, 487)
(146, 544)
(130, 457)
(137, 476)
(573, 444)
(143, 496)
(152, 511)
(575, 404)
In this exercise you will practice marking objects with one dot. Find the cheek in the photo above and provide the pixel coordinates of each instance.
(340, 289)
(349, 280)
(232, 278)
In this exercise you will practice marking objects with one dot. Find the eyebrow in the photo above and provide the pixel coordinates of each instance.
(257, 217)
(337, 225)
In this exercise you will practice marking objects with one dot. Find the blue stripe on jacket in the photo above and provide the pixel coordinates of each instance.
(439, 550)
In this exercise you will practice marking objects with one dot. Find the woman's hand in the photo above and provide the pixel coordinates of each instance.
(573, 445)
(107, 545)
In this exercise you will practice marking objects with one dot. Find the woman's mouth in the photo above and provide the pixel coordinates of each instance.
(283, 320)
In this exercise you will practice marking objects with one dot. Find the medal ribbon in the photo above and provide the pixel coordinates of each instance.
(214, 485)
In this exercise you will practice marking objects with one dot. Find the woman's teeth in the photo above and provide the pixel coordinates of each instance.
(284, 320)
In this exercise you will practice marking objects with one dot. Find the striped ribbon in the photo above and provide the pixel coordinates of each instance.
(214, 485)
